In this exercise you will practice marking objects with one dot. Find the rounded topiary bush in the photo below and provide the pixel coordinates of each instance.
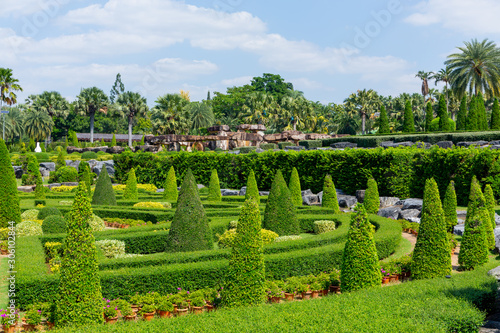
(89, 155)
(435, 125)
(67, 174)
(152, 204)
(30, 214)
(28, 228)
(42, 157)
(96, 223)
(54, 224)
(47, 211)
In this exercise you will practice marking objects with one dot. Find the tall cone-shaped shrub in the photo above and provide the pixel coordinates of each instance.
(360, 267)
(189, 230)
(431, 257)
(490, 204)
(481, 112)
(472, 116)
(60, 162)
(383, 125)
(294, 187)
(495, 116)
(244, 284)
(214, 193)
(80, 300)
(444, 124)
(170, 192)
(450, 207)
(252, 188)
(280, 215)
(409, 121)
(329, 199)
(87, 181)
(474, 246)
(39, 189)
(104, 193)
(9, 199)
(429, 116)
(372, 199)
(130, 192)
(113, 140)
(462, 115)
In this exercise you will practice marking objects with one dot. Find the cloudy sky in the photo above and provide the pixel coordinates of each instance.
(326, 48)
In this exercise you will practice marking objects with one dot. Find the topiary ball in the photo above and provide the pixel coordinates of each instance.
(28, 228)
(30, 214)
(88, 155)
(96, 223)
(54, 224)
(47, 211)
(435, 125)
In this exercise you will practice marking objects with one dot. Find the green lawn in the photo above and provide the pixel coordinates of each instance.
(4, 299)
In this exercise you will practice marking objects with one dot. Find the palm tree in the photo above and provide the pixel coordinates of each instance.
(259, 108)
(365, 102)
(14, 123)
(88, 102)
(131, 105)
(50, 101)
(8, 86)
(475, 69)
(38, 124)
(424, 76)
(444, 76)
(170, 115)
(201, 115)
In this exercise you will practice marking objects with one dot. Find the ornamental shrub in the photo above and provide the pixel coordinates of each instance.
(474, 246)
(495, 115)
(30, 214)
(64, 174)
(39, 189)
(472, 116)
(372, 199)
(47, 211)
(28, 228)
(294, 186)
(450, 207)
(490, 204)
(360, 267)
(431, 257)
(429, 115)
(323, 226)
(189, 230)
(280, 215)
(462, 115)
(481, 112)
(151, 204)
(74, 139)
(383, 125)
(408, 122)
(54, 224)
(89, 155)
(228, 237)
(33, 171)
(244, 284)
(80, 297)
(96, 223)
(214, 193)
(104, 193)
(252, 188)
(170, 192)
(444, 125)
(86, 179)
(330, 195)
(130, 192)
(60, 162)
(113, 141)
(111, 248)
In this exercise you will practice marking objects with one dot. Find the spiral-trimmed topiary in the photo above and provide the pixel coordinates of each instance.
(280, 215)
(54, 224)
(80, 299)
(252, 188)
(450, 207)
(360, 267)
(474, 246)
(372, 199)
(214, 193)
(130, 192)
(294, 187)
(244, 284)
(189, 230)
(431, 257)
(170, 192)
(329, 199)
(104, 193)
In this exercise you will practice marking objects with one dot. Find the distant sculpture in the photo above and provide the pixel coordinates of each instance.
(38, 149)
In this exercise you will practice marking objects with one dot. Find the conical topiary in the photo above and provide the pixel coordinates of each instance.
(104, 193)
(189, 230)
(429, 116)
(462, 115)
(33, 170)
(113, 140)
(170, 192)
(280, 215)
(9, 199)
(244, 283)
(39, 189)
(130, 192)
(474, 246)
(450, 207)
(294, 187)
(431, 257)
(86, 180)
(495, 115)
(383, 126)
(360, 266)
(472, 116)
(481, 112)
(60, 162)
(329, 199)
(490, 204)
(409, 121)
(444, 123)
(214, 193)
(79, 301)
(252, 189)
(372, 199)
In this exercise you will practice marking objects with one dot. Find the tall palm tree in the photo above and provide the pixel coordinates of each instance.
(365, 102)
(131, 105)
(424, 76)
(444, 75)
(8, 87)
(14, 123)
(38, 124)
(170, 115)
(259, 108)
(298, 112)
(90, 101)
(50, 101)
(201, 115)
(475, 69)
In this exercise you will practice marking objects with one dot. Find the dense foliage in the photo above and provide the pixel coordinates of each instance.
(170, 192)
(372, 199)
(104, 193)
(329, 199)
(294, 187)
(130, 192)
(450, 207)
(252, 190)
(214, 193)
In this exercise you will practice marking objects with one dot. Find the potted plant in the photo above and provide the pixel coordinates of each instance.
(148, 312)
(324, 279)
(136, 302)
(111, 314)
(33, 318)
(8, 320)
(197, 304)
(290, 287)
(316, 289)
(273, 292)
(335, 280)
(385, 275)
(182, 308)
(51, 315)
(128, 313)
(120, 304)
(165, 308)
(303, 289)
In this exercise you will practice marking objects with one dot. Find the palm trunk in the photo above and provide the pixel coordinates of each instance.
(130, 132)
(363, 122)
(92, 116)
(294, 125)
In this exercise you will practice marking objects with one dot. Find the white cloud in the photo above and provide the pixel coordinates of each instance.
(470, 17)
(237, 81)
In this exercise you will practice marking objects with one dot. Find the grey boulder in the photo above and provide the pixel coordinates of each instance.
(243, 191)
(410, 204)
(73, 164)
(110, 167)
(226, 192)
(390, 212)
(310, 200)
(445, 144)
(50, 166)
(388, 201)
(360, 195)
(409, 213)
(346, 201)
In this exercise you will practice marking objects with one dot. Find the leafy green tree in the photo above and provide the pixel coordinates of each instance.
(462, 115)
(227, 107)
(329, 199)
(170, 115)
(429, 116)
(170, 192)
(79, 301)
(60, 162)
(474, 246)
(472, 116)
(117, 89)
(201, 115)
(481, 111)
(104, 193)
(444, 75)
(431, 257)
(272, 84)
(252, 189)
(295, 189)
(113, 141)
(409, 122)
(383, 127)
(490, 204)
(74, 140)
(214, 193)
(8, 86)
(443, 115)
(130, 192)
(244, 284)
(280, 215)
(495, 115)
(89, 102)
(360, 267)
(425, 76)
(38, 124)
(365, 102)
(372, 199)
(131, 105)
(9, 198)
(189, 230)
(450, 207)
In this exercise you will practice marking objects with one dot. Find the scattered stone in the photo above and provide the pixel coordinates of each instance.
(263, 193)
(387, 144)
(70, 184)
(243, 191)
(460, 221)
(18, 171)
(344, 145)
(226, 192)
(160, 190)
(307, 192)
(403, 144)
(360, 195)
(200, 186)
(73, 164)
(497, 219)
(414, 219)
(115, 150)
(235, 152)
(390, 212)
(26, 189)
(459, 230)
(346, 201)
(410, 204)
(495, 147)
(409, 213)
(461, 212)
(388, 201)
(320, 197)
(50, 166)
(54, 185)
(495, 272)
(445, 144)
(294, 148)
(110, 166)
(44, 172)
(474, 143)
(71, 149)
(310, 200)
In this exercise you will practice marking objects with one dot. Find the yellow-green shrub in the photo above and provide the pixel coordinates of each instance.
(227, 238)
(151, 204)
(323, 226)
(145, 187)
(63, 188)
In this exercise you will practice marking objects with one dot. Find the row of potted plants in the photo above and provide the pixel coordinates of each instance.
(396, 269)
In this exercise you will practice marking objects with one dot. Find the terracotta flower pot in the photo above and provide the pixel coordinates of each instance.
(182, 312)
(392, 278)
(9, 329)
(324, 292)
(315, 293)
(135, 308)
(289, 297)
(335, 289)
(197, 309)
(111, 320)
(306, 295)
(209, 307)
(50, 325)
(148, 316)
(385, 280)
(164, 314)
(29, 327)
(275, 299)
(130, 318)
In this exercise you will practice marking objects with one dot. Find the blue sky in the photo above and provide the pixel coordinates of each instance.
(327, 49)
